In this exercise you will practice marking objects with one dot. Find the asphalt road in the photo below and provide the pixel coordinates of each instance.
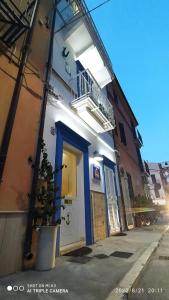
(154, 281)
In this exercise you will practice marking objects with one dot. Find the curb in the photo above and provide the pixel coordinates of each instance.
(121, 291)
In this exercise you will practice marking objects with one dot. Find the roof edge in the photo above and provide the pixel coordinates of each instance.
(120, 88)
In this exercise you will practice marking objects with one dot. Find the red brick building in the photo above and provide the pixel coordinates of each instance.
(128, 142)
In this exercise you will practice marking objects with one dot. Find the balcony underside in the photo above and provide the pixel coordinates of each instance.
(138, 143)
(14, 22)
(90, 112)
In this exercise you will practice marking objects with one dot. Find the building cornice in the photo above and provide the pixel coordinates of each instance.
(125, 99)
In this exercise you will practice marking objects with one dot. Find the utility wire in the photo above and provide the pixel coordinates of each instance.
(84, 14)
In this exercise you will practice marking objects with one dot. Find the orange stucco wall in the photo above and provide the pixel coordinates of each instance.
(8, 73)
(17, 174)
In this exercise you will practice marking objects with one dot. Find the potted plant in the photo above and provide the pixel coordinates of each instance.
(146, 214)
(47, 204)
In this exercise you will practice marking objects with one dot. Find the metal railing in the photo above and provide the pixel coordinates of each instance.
(139, 137)
(15, 19)
(67, 11)
(86, 86)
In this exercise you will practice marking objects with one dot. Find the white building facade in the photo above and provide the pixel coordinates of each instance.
(77, 133)
(155, 184)
(164, 166)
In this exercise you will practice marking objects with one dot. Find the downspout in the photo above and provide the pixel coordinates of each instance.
(121, 192)
(28, 237)
(16, 93)
(118, 204)
(122, 200)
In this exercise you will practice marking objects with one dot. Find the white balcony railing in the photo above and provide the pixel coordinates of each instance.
(91, 103)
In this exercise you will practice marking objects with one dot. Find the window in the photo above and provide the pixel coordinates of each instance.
(130, 186)
(74, 6)
(157, 194)
(140, 159)
(153, 178)
(69, 174)
(116, 99)
(122, 134)
(115, 129)
(140, 137)
(133, 130)
(79, 67)
(67, 9)
(109, 95)
(147, 167)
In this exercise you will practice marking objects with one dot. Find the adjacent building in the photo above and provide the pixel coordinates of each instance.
(23, 57)
(158, 182)
(164, 168)
(128, 142)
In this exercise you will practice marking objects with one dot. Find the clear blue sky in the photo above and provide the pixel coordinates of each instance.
(136, 36)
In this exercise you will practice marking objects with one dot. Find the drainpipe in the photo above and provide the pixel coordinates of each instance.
(16, 93)
(121, 191)
(122, 200)
(28, 237)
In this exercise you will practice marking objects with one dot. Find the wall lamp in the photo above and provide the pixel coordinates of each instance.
(97, 156)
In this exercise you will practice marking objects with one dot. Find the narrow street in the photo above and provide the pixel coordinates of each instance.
(84, 162)
(153, 284)
(96, 274)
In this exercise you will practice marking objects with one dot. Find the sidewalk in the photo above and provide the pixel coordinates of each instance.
(91, 277)
(153, 283)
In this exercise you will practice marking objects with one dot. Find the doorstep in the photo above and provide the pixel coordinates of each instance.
(74, 246)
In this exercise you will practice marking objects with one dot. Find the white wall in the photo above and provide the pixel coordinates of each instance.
(63, 65)
(95, 184)
(59, 66)
(63, 112)
(57, 113)
(103, 143)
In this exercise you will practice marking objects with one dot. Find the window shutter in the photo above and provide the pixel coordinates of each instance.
(122, 134)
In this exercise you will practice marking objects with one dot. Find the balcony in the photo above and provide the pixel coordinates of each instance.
(146, 168)
(138, 139)
(67, 11)
(80, 34)
(91, 104)
(15, 19)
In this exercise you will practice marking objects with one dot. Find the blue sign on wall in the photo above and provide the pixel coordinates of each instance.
(96, 172)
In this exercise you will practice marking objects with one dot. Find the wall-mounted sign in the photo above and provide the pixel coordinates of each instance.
(96, 172)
